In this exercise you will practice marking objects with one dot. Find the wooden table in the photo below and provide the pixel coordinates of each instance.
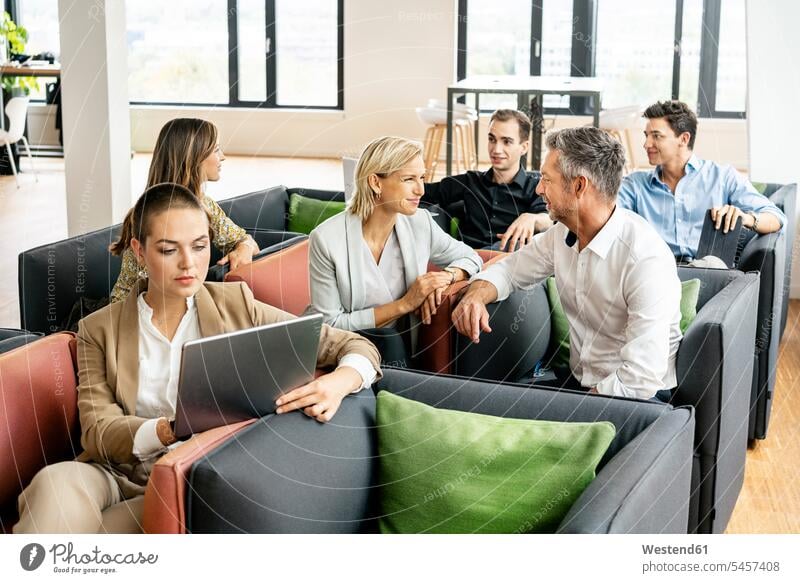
(8, 70)
(25, 71)
(525, 88)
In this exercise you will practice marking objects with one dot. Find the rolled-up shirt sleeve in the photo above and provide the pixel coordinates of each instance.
(146, 443)
(524, 268)
(743, 195)
(362, 366)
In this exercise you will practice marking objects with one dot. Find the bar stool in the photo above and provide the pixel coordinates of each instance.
(465, 155)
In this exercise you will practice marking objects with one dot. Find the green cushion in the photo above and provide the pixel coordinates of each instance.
(306, 213)
(690, 292)
(559, 326)
(454, 232)
(759, 186)
(445, 471)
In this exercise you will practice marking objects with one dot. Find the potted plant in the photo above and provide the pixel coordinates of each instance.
(14, 38)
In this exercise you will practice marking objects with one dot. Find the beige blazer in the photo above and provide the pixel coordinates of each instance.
(108, 366)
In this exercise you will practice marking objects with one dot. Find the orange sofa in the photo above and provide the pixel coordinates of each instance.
(39, 425)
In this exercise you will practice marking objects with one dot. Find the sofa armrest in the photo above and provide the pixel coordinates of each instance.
(279, 279)
(269, 242)
(435, 341)
(715, 361)
(767, 254)
(715, 366)
(165, 496)
(38, 411)
(645, 487)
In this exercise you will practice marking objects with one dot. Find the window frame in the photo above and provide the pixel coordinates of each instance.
(12, 6)
(583, 54)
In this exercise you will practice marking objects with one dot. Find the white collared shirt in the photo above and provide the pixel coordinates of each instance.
(621, 295)
(384, 281)
(159, 367)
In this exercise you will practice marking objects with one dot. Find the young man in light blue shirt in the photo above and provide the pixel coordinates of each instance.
(675, 196)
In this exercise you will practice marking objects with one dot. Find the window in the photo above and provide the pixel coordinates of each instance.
(306, 35)
(251, 47)
(252, 53)
(556, 46)
(732, 61)
(634, 51)
(177, 51)
(40, 18)
(689, 51)
(499, 43)
(644, 50)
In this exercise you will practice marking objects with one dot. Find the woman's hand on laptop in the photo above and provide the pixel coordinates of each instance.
(321, 397)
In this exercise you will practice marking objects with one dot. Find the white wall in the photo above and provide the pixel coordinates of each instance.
(773, 85)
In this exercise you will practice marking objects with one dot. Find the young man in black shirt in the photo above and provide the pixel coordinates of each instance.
(500, 206)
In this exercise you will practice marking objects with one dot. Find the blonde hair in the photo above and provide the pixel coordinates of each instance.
(381, 157)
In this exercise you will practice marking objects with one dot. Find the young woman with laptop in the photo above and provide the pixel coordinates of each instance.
(128, 363)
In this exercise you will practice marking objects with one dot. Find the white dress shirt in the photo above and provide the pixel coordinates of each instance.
(384, 281)
(621, 295)
(159, 367)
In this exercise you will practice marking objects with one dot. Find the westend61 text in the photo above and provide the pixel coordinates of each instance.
(670, 550)
(65, 554)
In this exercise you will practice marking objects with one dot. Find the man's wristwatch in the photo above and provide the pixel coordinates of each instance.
(755, 220)
(452, 272)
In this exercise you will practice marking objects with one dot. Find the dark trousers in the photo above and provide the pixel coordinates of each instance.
(390, 343)
(565, 380)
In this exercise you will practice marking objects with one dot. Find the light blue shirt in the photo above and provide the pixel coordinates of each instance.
(679, 218)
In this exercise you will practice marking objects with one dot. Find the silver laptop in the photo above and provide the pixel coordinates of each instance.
(236, 376)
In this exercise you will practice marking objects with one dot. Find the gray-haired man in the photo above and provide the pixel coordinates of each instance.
(615, 275)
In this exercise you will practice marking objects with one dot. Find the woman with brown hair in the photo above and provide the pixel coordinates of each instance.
(128, 368)
(187, 152)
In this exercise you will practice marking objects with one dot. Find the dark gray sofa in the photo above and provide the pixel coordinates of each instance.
(53, 277)
(290, 474)
(784, 196)
(714, 367)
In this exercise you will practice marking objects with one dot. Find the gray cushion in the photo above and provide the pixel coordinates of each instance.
(288, 473)
(519, 339)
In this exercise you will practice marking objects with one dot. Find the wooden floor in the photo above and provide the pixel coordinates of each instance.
(770, 499)
(35, 214)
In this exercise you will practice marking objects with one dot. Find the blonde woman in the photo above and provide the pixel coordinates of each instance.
(369, 264)
(187, 152)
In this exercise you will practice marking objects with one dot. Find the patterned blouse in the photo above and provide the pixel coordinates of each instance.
(227, 235)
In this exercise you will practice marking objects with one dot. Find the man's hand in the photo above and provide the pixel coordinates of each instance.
(321, 397)
(522, 230)
(470, 316)
(727, 215)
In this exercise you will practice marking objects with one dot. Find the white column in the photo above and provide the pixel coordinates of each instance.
(95, 112)
(773, 84)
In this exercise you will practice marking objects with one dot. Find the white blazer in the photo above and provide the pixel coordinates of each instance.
(338, 289)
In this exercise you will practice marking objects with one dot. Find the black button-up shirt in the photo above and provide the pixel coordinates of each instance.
(486, 208)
